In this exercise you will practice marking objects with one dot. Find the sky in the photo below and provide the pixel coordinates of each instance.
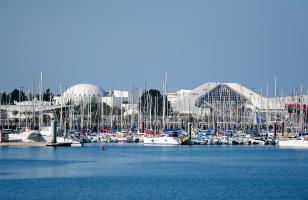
(121, 44)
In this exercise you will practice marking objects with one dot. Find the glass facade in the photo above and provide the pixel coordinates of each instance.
(225, 105)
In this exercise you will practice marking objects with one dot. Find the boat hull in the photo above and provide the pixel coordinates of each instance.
(294, 143)
(162, 141)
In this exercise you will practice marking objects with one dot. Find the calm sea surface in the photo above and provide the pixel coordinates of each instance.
(131, 171)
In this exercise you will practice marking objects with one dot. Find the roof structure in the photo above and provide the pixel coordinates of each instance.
(36, 106)
(81, 92)
(191, 100)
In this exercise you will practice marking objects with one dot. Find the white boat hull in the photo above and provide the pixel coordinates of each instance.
(294, 143)
(161, 140)
(28, 136)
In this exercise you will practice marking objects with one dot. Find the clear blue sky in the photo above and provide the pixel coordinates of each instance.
(118, 43)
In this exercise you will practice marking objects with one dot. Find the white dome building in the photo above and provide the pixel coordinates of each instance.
(82, 92)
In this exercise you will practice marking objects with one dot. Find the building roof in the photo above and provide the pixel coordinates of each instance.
(83, 90)
(187, 101)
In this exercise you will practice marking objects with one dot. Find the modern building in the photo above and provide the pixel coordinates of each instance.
(210, 104)
(86, 92)
(233, 103)
(115, 98)
(80, 93)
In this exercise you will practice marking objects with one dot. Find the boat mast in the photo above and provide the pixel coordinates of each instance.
(306, 100)
(111, 110)
(139, 119)
(267, 117)
(132, 118)
(33, 111)
(0, 110)
(27, 112)
(61, 110)
(301, 106)
(90, 112)
(41, 102)
(8, 118)
(71, 115)
(275, 100)
(150, 110)
(164, 99)
(102, 114)
(19, 99)
(121, 125)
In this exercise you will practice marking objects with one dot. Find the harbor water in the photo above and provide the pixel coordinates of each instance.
(135, 171)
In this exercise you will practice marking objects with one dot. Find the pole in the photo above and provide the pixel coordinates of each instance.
(189, 132)
(53, 132)
(19, 109)
(33, 112)
(60, 126)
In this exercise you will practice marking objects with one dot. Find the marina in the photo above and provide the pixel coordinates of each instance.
(153, 100)
(213, 113)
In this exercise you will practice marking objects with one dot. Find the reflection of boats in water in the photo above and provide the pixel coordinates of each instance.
(27, 136)
(164, 139)
(301, 143)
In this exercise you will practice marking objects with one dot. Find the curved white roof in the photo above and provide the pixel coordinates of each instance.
(185, 102)
(79, 91)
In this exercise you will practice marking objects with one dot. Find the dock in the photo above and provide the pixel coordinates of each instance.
(23, 144)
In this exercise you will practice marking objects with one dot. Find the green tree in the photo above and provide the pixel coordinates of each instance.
(48, 95)
(3, 98)
(15, 95)
(153, 100)
(106, 108)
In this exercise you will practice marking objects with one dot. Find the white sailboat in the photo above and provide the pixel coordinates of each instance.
(166, 138)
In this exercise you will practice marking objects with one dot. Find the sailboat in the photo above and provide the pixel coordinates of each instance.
(167, 138)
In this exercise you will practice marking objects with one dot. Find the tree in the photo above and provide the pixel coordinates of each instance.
(48, 96)
(106, 109)
(3, 98)
(153, 100)
(15, 95)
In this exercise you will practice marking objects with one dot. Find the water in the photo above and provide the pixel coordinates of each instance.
(133, 171)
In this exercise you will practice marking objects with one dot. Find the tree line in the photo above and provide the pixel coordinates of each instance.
(151, 101)
(19, 95)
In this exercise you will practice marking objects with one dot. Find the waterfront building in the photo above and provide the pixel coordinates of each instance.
(211, 105)
(231, 104)
(84, 92)
(89, 92)
(76, 105)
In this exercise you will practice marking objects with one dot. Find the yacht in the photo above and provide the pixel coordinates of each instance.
(27, 136)
(124, 137)
(301, 143)
(164, 139)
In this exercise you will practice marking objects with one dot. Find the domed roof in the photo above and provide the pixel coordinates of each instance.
(82, 90)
